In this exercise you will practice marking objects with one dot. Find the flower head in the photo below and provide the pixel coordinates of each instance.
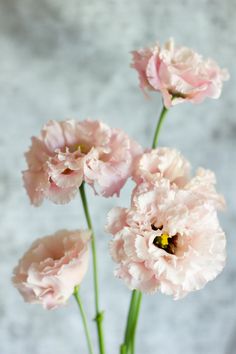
(154, 165)
(159, 163)
(179, 73)
(52, 267)
(168, 240)
(69, 152)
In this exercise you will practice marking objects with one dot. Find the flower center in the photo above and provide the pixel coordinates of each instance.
(165, 241)
(84, 149)
(67, 171)
(176, 94)
(162, 241)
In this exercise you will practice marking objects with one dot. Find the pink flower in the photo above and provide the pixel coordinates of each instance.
(169, 240)
(179, 73)
(162, 162)
(154, 165)
(68, 153)
(52, 267)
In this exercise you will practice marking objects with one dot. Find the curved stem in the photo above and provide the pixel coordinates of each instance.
(158, 127)
(84, 320)
(99, 314)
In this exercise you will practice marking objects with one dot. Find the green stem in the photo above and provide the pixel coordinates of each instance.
(123, 349)
(128, 347)
(138, 305)
(158, 127)
(131, 323)
(84, 320)
(131, 317)
(99, 314)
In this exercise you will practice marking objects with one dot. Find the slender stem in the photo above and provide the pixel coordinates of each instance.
(99, 314)
(130, 326)
(158, 127)
(131, 316)
(138, 305)
(89, 223)
(128, 347)
(84, 320)
(123, 349)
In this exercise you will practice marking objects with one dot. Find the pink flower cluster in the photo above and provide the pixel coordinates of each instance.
(70, 152)
(170, 238)
(52, 267)
(179, 73)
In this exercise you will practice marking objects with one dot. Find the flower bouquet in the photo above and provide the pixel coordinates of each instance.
(167, 240)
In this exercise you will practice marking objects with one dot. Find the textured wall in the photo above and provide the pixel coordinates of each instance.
(63, 59)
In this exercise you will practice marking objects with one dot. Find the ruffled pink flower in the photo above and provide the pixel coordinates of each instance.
(68, 153)
(169, 240)
(52, 267)
(162, 163)
(154, 165)
(179, 73)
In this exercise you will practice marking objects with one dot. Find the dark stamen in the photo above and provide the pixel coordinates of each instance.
(67, 171)
(154, 228)
(170, 247)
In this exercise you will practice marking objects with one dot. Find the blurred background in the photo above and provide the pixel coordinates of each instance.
(70, 59)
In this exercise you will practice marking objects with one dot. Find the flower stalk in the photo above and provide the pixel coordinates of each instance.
(99, 314)
(158, 127)
(138, 305)
(84, 320)
(131, 323)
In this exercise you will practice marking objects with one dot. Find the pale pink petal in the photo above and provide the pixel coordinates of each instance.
(36, 183)
(203, 184)
(116, 220)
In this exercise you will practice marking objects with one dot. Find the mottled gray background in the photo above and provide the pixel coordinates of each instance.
(70, 59)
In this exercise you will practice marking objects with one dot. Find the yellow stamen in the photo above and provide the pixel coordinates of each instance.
(83, 148)
(164, 240)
